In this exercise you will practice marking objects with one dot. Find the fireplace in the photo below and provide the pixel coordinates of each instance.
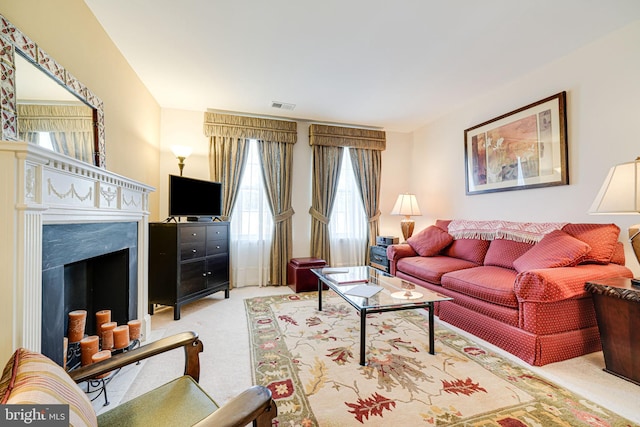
(63, 221)
(86, 267)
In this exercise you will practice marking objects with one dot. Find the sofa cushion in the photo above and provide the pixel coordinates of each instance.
(472, 250)
(601, 237)
(503, 252)
(32, 378)
(556, 249)
(487, 283)
(430, 241)
(431, 269)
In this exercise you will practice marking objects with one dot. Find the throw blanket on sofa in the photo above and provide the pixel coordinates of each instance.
(529, 232)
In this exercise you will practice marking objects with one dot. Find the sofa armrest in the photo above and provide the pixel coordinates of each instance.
(255, 403)
(396, 252)
(557, 284)
(189, 340)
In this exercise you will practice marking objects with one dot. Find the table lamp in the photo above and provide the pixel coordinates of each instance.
(620, 194)
(406, 205)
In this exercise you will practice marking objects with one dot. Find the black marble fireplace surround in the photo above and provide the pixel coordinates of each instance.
(89, 267)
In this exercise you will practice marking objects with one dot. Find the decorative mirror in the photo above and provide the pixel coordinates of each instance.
(41, 102)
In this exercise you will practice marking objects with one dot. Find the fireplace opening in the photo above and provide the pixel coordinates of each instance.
(99, 283)
(88, 267)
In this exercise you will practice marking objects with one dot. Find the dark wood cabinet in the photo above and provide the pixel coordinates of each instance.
(187, 261)
(617, 304)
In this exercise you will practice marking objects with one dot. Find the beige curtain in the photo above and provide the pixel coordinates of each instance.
(367, 165)
(326, 170)
(70, 128)
(277, 165)
(276, 139)
(227, 157)
(366, 146)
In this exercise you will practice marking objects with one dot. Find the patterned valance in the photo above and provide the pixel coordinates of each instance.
(54, 118)
(336, 136)
(227, 125)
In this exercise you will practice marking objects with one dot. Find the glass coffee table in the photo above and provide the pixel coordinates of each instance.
(372, 291)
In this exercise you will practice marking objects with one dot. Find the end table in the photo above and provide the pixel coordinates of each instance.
(617, 305)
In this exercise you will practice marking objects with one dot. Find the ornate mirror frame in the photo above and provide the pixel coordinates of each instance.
(12, 41)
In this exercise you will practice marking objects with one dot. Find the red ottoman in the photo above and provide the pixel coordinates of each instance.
(299, 275)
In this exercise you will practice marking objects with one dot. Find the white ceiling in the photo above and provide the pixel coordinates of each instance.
(391, 64)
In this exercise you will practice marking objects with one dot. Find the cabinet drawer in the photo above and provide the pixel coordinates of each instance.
(215, 247)
(217, 232)
(192, 278)
(192, 250)
(380, 251)
(192, 234)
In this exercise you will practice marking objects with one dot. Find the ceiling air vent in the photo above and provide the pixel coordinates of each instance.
(282, 105)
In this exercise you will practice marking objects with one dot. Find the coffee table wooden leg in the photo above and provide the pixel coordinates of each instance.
(432, 346)
(319, 295)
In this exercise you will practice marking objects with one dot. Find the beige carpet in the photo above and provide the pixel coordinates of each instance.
(226, 367)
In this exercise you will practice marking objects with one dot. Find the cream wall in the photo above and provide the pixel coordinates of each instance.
(603, 104)
(68, 31)
(180, 127)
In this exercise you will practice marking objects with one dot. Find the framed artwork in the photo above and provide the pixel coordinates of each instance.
(526, 148)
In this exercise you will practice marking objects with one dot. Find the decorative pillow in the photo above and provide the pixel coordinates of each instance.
(443, 223)
(618, 257)
(556, 249)
(32, 378)
(601, 237)
(430, 241)
(502, 252)
(473, 250)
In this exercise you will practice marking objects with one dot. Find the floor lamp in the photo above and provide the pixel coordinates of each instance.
(620, 194)
(406, 205)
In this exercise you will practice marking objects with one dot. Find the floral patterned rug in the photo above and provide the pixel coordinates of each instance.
(309, 360)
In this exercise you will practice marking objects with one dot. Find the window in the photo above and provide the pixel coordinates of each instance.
(347, 222)
(251, 226)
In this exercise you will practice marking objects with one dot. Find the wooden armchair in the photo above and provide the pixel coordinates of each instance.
(31, 378)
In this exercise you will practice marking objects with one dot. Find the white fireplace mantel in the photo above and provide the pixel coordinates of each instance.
(39, 187)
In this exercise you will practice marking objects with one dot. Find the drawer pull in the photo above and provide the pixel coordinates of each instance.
(218, 247)
(217, 232)
(193, 250)
(204, 274)
(194, 234)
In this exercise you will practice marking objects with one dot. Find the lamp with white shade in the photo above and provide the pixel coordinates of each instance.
(406, 205)
(620, 194)
(181, 152)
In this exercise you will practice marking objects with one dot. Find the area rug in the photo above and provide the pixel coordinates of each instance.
(309, 361)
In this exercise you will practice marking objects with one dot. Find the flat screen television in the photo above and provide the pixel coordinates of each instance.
(196, 199)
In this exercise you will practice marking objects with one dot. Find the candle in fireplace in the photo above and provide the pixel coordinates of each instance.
(102, 316)
(121, 336)
(99, 357)
(88, 347)
(134, 329)
(107, 335)
(77, 321)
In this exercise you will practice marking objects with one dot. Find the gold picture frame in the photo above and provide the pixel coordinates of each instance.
(522, 149)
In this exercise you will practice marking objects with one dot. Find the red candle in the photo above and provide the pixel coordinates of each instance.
(107, 335)
(121, 336)
(99, 357)
(134, 329)
(77, 321)
(102, 316)
(88, 347)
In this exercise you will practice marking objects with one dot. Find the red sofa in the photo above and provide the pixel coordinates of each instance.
(519, 286)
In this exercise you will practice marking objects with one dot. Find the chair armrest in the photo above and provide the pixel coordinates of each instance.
(189, 340)
(253, 404)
